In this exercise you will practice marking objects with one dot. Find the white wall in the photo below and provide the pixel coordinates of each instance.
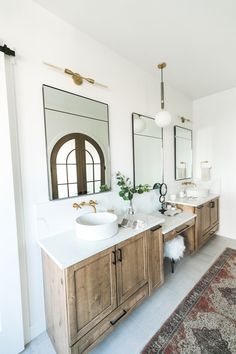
(215, 127)
(39, 36)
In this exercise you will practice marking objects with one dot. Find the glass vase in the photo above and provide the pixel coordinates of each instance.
(130, 210)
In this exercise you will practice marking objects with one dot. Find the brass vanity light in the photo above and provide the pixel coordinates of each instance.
(76, 77)
(163, 118)
(91, 203)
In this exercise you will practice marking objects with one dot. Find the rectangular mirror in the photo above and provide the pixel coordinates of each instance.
(147, 150)
(77, 142)
(183, 153)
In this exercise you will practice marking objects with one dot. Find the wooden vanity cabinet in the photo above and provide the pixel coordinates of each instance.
(86, 301)
(132, 266)
(207, 220)
(91, 292)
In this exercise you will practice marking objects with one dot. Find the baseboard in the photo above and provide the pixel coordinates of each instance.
(35, 330)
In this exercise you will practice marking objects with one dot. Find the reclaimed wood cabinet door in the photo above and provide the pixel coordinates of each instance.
(214, 210)
(91, 292)
(155, 263)
(131, 267)
(206, 218)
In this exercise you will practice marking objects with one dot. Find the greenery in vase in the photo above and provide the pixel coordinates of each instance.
(127, 190)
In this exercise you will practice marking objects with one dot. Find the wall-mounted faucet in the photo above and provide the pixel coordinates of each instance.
(189, 183)
(91, 203)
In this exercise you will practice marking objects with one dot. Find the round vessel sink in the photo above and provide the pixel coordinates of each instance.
(96, 226)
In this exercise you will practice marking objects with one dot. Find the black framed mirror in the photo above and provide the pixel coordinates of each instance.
(147, 150)
(77, 143)
(183, 153)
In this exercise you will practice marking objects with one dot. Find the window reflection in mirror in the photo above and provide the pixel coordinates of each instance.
(183, 153)
(147, 150)
(77, 143)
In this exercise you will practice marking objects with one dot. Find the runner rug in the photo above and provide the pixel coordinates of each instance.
(205, 321)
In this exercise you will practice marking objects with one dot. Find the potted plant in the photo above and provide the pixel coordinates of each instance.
(127, 190)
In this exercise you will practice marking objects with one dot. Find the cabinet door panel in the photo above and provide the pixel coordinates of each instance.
(91, 292)
(131, 266)
(214, 207)
(199, 226)
(206, 218)
(155, 251)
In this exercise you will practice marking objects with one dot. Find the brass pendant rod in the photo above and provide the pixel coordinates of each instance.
(162, 89)
(161, 66)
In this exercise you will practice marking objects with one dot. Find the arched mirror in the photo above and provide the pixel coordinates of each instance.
(77, 144)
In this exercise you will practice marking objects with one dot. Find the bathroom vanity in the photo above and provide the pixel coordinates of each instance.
(90, 287)
(207, 212)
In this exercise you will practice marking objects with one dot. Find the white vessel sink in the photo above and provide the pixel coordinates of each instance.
(96, 226)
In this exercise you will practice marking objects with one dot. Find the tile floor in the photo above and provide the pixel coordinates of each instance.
(134, 332)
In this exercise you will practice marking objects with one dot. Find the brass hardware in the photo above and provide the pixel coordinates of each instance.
(91, 203)
(161, 65)
(76, 77)
(186, 183)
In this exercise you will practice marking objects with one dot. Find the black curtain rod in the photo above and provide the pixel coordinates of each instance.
(7, 50)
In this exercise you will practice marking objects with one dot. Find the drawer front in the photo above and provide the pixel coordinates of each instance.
(172, 234)
(104, 327)
(208, 235)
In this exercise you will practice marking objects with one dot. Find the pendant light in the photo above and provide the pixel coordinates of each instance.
(163, 118)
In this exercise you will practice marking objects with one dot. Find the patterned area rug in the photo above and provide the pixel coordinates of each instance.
(205, 321)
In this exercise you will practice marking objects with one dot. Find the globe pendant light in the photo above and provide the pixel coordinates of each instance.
(163, 118)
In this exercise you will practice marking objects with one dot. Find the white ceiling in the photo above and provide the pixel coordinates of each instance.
(197, 38)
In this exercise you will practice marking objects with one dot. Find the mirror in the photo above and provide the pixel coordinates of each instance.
(147, 150)
(77, 143)
(183, 153)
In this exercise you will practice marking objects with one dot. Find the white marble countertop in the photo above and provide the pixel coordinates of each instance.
(171, 222)
(66, 249)
(194, 202)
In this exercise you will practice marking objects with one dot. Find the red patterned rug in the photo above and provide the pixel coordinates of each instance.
(205, 321)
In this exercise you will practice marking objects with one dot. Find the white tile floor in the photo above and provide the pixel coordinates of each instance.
(134, 332)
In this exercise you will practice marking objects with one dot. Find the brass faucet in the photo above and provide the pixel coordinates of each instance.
(91, 203)
(189, 183)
